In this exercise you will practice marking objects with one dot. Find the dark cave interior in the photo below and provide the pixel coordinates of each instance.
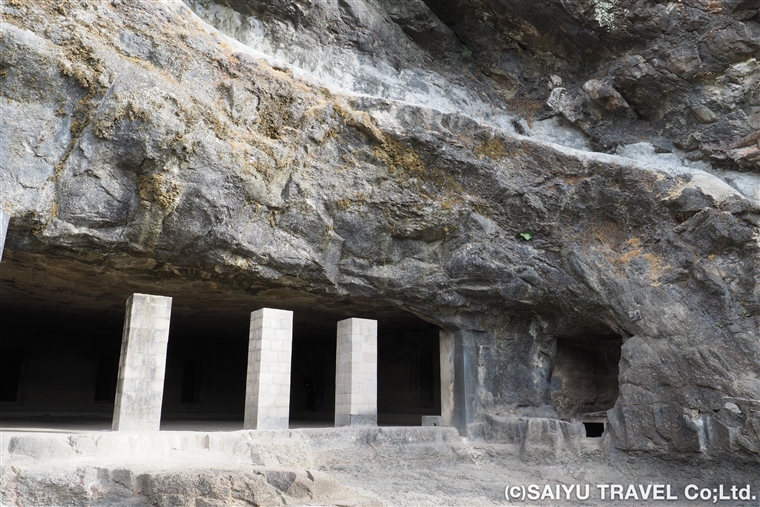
(62, 327)
(584, 379)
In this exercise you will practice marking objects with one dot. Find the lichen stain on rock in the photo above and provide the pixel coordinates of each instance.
(159, 189)
(399, 157)
(493, 149)
(604, 13)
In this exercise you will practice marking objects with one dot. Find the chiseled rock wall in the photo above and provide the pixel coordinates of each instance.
(134, 129)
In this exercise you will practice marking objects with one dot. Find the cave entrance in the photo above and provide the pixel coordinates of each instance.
(58, 368)
(205, 376)
(63, 364)
(408, 374)
(312, 373)
(408, 378)
(61, 367)
(62, 324)
(584, 381)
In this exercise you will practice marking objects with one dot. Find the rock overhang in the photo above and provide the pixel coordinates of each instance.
(266, 184)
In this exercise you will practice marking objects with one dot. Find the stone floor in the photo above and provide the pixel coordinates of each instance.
(194, 463)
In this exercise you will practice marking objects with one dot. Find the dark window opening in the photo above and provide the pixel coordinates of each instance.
(408, 374)
(584, 381)
(190, 384)
(312, 372)
(105, 379)
(11, 368)
(594, 430)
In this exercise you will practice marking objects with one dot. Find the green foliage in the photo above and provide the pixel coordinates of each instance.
(467, 52)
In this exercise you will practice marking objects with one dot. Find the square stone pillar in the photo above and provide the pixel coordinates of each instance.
(4, 218)
(356, 373)
(461, 353)
(140, 385)
(267, 390)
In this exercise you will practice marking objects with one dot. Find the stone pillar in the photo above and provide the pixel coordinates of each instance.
(4, 218)
(140, 385)
(267, 390)
(356, 373)
(459, 376)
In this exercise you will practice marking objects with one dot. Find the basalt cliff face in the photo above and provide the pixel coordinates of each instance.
(521, 174)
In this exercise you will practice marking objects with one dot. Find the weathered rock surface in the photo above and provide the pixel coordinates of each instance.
(138, 146)
(671, 61)
(195, 469)
(206, 487)
(342, 467)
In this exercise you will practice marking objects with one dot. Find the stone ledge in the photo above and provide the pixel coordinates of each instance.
(224, 446)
